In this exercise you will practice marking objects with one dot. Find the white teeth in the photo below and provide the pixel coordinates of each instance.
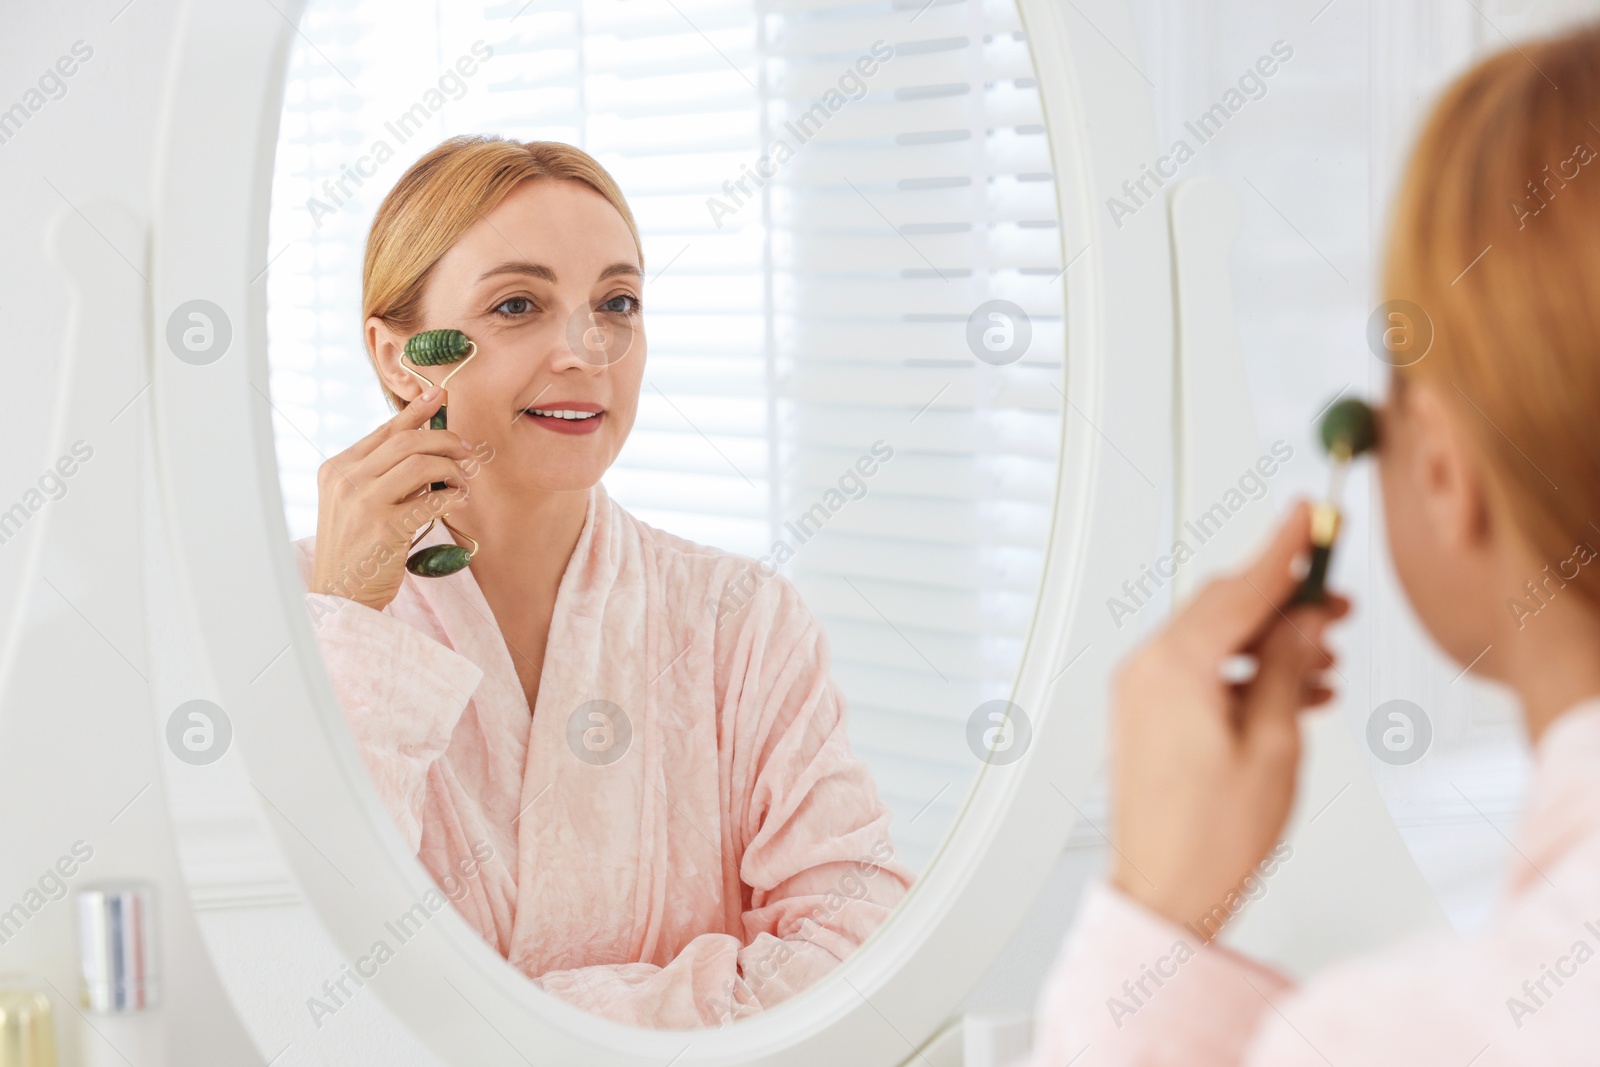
(565, 414)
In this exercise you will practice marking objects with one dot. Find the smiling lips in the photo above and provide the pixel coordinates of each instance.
(567, 417)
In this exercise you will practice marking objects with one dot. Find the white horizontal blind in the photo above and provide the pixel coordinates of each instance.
(827, 311)
(908, 210)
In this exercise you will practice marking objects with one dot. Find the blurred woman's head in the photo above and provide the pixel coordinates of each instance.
(531, 251)
(1491, 454)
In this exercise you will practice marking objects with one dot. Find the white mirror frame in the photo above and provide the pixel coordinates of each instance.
(243, 593)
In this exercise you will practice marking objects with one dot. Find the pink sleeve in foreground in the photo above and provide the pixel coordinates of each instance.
(1129, 988)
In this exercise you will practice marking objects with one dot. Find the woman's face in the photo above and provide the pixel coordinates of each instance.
(548, 286)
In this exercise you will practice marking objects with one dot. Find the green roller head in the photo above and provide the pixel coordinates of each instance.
(436, 561)
(438, 348)
(434, 348)
(1349, 428)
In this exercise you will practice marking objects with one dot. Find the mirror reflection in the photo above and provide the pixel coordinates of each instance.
(672, 639)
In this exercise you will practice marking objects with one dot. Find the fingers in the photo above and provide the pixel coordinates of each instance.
(1290, 660)
(1228, 614)
(414, 472)
(1271, 573)
(436, 502)
(1310, 622)
(413, 416)
(390, 452)
(414, 512)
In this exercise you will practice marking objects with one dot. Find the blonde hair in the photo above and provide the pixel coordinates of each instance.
(1496, 237)
(439, 198)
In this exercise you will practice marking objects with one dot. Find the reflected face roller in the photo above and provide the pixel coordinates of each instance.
(1349, 428)
(437, 348)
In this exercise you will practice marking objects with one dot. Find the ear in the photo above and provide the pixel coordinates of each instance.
(387, 348)
(1444, 468)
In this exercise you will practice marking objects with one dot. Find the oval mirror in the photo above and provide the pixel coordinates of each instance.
(852, 259)
(856, 372)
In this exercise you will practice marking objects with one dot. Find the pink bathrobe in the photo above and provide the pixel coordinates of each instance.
(1527, 992)
(734, 854)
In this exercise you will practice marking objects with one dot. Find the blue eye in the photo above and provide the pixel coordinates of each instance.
(526, 305)
(627, 301)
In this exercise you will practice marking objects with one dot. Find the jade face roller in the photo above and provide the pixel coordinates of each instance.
(1348, 429)
(436, 348)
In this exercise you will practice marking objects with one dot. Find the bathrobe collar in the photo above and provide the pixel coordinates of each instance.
(601, 647)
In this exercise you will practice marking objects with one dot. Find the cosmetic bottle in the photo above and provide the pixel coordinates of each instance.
(27, 1034)
(121, 968)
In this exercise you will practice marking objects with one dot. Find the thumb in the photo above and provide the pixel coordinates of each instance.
(1230, 613)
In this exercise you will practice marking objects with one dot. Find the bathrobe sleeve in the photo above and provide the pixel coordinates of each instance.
(1523, 991)
(816, 855)
(812, 864)
(1129, 987)
(1123, 994)
(401, 691)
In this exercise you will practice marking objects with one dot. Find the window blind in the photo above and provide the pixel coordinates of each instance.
(807, 309)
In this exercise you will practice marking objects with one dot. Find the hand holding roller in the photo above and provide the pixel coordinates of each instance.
(435, 348)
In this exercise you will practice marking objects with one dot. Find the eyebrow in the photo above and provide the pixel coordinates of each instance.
(539, 270)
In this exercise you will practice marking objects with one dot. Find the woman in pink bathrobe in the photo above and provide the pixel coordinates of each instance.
(619, 753)
(1490, 467)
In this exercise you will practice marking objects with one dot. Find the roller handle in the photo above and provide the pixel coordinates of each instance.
(1313, 588)
(438, 423)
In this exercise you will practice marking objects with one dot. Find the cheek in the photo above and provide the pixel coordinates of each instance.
(626, 383)
(1410, 540)
(479, 409)
(1436, 583)
(1399, 518)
